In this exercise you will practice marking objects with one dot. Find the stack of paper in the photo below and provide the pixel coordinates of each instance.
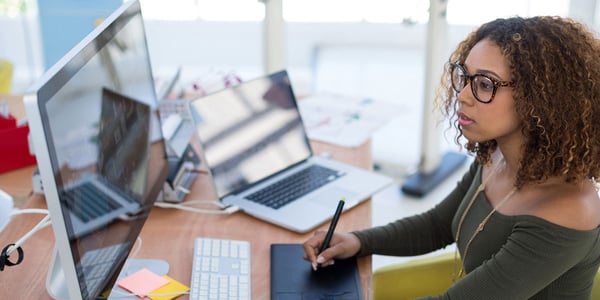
(343, 120)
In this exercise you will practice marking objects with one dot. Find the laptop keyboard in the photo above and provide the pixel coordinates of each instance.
(88, 202)
(220, 269)
(97, 264)
(295, 186)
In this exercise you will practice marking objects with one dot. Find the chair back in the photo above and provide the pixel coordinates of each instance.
(419, 278)
(425, 277)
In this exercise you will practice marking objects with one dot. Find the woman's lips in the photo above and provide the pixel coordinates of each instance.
(464, 120)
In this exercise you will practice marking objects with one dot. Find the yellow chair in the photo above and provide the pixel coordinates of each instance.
(424, 277)
(418, 278)
(6, 71)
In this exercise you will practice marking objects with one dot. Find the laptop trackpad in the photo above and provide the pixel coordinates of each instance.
(331, 195)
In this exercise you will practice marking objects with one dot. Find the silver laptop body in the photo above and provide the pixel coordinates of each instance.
(252, 136)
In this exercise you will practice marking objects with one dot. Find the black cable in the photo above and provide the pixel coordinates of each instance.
(4, 257)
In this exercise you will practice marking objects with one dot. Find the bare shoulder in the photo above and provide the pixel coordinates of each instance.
(572, 206)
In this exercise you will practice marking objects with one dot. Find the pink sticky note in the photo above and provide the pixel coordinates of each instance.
(142, 282)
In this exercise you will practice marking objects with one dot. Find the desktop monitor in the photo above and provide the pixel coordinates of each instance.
(95, 130)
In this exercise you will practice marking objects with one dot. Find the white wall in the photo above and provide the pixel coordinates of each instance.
(382, 61)
(20, 44)
(238, 46)
(225, 46)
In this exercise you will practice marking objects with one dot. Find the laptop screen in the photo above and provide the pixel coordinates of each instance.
(250, 131)
(123, 133)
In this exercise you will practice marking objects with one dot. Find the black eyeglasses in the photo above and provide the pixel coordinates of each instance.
(483, 86)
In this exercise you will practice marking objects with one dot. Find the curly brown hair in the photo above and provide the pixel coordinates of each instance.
(555, 64)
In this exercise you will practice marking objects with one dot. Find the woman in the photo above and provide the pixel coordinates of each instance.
(525, 94)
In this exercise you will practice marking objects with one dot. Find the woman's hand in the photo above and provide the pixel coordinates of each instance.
(342, 245)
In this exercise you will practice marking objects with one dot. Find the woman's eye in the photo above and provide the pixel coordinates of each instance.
(484, 84)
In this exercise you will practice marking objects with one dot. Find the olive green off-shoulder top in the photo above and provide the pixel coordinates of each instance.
(514, 257)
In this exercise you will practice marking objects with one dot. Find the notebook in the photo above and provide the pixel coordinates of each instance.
(252, 137)
(119, 152)
(292, 277)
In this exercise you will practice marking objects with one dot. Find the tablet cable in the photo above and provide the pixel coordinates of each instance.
(187, 206)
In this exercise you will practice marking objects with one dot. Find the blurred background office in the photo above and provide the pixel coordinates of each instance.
(365, 48)
(374, 49)
(362, 48)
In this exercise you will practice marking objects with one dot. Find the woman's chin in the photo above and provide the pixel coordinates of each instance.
(473, 138)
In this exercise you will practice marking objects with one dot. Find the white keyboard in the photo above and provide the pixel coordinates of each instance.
(221, 269)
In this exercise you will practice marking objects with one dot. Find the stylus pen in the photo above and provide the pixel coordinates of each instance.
(336, 217)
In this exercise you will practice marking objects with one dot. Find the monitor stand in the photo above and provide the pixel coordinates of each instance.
(56, 284)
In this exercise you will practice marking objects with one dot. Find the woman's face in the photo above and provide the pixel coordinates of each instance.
(498, 119)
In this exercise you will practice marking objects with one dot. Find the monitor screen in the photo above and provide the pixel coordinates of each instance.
(94, 124)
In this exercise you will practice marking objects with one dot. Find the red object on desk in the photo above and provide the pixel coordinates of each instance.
(7, 122)
(14, 149)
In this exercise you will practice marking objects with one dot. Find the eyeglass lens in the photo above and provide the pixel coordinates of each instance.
(481, 86)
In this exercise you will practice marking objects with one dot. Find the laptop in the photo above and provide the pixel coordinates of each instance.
(112, 184)
(253, 143)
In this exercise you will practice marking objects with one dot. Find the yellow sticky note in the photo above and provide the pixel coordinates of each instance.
(171, 290)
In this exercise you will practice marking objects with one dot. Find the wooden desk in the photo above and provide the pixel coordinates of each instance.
(168, 234)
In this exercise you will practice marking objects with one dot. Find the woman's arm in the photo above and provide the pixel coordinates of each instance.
(421, 233)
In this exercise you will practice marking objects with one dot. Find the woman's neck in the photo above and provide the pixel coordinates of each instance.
(510, 162)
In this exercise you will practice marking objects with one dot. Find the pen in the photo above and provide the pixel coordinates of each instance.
(334, 221)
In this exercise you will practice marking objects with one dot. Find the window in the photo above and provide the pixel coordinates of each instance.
(468, 12)
(461, 12)
(205, 10)
(377, 11)
(12, 8)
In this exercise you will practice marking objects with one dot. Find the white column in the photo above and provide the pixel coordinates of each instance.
(274, 36)
(435, 58)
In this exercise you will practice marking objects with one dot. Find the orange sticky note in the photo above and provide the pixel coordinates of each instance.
(142, 282)
(171, 290)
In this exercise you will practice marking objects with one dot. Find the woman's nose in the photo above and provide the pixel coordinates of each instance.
(466, 95)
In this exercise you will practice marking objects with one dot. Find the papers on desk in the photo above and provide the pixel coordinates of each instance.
(343, 120)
